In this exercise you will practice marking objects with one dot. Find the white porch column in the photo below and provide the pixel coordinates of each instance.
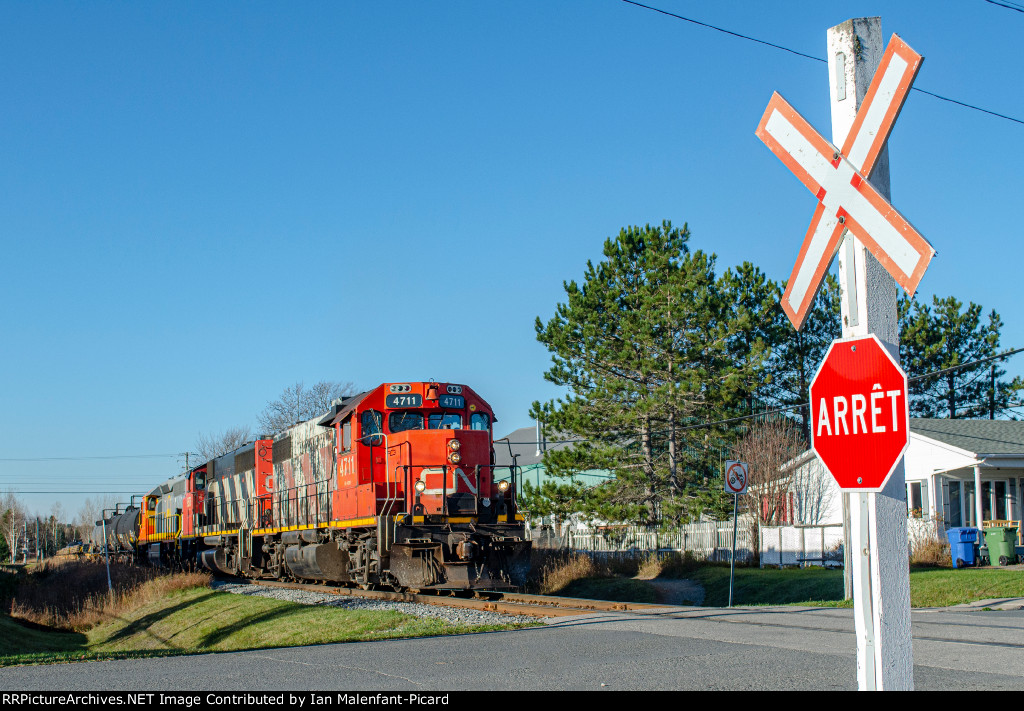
(977, 494)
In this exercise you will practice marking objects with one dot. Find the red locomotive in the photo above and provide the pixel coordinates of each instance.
(394, 487)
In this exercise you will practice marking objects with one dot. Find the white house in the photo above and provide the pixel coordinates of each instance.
(947, 464)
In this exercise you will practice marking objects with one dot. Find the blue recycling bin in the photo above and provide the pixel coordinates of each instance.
(962, 541)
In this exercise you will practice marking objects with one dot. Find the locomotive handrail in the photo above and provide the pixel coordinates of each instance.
(392, 498)
(291, 507)
(297, 506)
(387, 471)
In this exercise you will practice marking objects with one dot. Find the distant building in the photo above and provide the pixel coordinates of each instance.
(527, 446)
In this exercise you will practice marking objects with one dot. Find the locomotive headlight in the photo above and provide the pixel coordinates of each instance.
(503, 486)
(454, 457)
(454, 445)
(420, 486)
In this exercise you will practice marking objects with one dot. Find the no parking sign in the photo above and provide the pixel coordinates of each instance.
(737, 476)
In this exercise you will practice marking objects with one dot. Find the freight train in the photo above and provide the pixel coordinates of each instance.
(395, 487)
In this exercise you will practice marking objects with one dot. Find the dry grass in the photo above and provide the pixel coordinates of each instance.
(933, 552)
(555, 570)
(73, 594)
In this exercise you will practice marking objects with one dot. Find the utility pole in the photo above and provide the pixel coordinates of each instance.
(992, 392)
(881, 584)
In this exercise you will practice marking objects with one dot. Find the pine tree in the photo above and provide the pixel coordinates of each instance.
(947, 334)
(645, 346)
(759, 327)
(796, 355)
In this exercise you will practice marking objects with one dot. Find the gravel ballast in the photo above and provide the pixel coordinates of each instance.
(305, 597)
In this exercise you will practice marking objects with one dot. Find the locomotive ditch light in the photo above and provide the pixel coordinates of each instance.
(503, 486)
(420, 486)
(454, 445)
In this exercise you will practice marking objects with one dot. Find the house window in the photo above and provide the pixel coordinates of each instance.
(961, 504)
(917, 499)
(995, 499)
(955, 512)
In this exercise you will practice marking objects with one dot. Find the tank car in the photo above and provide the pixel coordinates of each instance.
(116, 534)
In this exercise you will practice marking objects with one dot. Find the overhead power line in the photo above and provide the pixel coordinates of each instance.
(1007, 4)
(819, 59)
(724, 31)
(740, 418)
(67, 459)
(93, 493)
(702, 425)
(1000, 356)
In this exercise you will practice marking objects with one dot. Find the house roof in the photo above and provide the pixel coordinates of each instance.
(524, 443)
(980, 437)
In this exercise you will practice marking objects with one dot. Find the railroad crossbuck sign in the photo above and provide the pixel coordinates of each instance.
(839, 178)
(860, 415)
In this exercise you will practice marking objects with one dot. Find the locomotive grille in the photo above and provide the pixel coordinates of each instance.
(246, 460)
(282, 450)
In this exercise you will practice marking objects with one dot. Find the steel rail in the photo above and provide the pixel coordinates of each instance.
(509, 603)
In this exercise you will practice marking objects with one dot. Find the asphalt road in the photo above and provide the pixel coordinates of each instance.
(782, 648)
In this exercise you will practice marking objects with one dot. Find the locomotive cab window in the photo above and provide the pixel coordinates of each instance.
(372, 426)
(479, 421)
(346, 435)
(199, 482)
(444, 421)
(404, 420)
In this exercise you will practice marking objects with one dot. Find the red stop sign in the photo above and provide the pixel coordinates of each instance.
(860, 414)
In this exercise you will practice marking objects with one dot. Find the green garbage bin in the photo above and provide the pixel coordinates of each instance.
(1001, 542)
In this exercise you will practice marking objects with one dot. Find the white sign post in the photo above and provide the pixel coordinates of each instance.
(737, 478)
(879, 249)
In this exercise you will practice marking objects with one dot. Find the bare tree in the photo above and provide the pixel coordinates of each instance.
(12, 520)
(213, 445)
(766, 447)
(298, 403)
(91, 512)
(815, 489)
(56, 524)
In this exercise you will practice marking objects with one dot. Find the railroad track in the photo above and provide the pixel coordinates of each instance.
(508, 603)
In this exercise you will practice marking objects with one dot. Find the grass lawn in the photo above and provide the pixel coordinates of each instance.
(770, 586)
(942, 587)
(615, 589)
(929, 587)
(201, 620)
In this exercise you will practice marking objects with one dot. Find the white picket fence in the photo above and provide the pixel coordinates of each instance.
(802, 545)
(710, 540)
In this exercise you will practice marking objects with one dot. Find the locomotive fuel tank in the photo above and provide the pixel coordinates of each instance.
(318, 561)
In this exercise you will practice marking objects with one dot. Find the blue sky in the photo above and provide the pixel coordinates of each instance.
(202, 204)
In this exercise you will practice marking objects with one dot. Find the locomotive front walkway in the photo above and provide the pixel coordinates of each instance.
(674, 648)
